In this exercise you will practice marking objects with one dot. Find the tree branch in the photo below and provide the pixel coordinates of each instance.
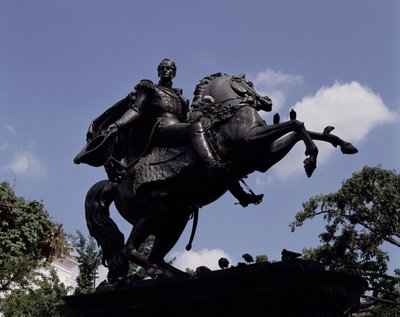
(387, 238)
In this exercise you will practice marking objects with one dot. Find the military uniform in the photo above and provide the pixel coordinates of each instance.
(162, 107)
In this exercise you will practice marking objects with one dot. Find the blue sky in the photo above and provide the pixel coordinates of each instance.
(62, 63)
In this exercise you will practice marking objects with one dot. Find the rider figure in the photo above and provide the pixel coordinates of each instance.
(166, 108)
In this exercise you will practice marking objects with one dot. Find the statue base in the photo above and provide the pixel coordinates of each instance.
(291, 288)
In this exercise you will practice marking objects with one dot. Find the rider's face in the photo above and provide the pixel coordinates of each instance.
(166, 70)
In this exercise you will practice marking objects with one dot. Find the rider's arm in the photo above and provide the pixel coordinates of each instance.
(185, 108)
(143, 90)
(134, 111)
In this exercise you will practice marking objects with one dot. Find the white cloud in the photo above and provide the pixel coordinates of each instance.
(183, 260)
(275, 84)
(25, 163)
(354, 110)
(273, 78)
(102, 274)
(204, 257)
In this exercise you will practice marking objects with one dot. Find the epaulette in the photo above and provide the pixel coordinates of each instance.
(145, 83)
(178, 91)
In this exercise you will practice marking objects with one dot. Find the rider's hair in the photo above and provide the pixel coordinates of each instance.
(169, 61)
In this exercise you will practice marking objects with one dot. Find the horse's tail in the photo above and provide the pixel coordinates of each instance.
(99, 223)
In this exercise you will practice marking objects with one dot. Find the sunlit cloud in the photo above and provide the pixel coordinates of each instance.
(354, 110)
(273, 78)
(205, 257)
(26, 163)
(275, 84)
(183, 260)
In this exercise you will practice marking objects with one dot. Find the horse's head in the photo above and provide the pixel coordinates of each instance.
(222, 90)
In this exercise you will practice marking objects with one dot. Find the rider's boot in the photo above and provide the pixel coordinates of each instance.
(244, 198)
(247, 199)
(203, 149)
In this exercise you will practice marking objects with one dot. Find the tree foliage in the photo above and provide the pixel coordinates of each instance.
(145, 250)
(261, 258)
(362, 217)
(89, 259)
(29, 239)
(43, 301)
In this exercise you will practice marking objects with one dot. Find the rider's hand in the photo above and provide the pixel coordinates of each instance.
(112, 128)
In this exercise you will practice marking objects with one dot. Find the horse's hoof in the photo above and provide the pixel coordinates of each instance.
(348, 148)
(157, 273)
(112, 277)
(310, 164)
(103, 285)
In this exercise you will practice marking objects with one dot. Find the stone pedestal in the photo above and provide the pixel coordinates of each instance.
(292, 288)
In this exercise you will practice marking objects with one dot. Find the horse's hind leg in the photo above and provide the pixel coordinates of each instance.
(166, 235)
(166, 238)
(140, 232)
(103, 228)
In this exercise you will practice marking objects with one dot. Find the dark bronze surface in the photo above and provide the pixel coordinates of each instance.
(165, 160)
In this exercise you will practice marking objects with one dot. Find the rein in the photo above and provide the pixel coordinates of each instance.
(223, 101)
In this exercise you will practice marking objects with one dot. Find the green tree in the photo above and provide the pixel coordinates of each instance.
(29, 239)
(43, 301)
(261, 258)
(145, 250)
(89, 259)
(361, 218)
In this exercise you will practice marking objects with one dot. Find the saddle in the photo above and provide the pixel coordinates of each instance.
(161, 164)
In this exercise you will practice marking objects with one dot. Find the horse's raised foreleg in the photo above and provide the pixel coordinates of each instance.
(278, 150)
(345, 147)
(271, 133)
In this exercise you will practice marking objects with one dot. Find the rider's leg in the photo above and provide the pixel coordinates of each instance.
(244, 198)
(178, 132)
(202, 147)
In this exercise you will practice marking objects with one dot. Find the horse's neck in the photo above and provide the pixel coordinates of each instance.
(220, 90)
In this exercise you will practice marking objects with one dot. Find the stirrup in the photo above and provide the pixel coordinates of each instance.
(251, 199)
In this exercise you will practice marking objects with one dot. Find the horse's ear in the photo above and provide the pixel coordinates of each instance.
(243, 76)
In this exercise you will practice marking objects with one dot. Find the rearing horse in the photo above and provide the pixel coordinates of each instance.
(158, 195)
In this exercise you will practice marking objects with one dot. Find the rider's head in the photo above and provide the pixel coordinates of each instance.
(166, 69)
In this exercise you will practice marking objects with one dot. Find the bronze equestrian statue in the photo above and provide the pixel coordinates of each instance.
(166, 160)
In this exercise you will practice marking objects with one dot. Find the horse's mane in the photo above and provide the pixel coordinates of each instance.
(198, 91)
(216, 111)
